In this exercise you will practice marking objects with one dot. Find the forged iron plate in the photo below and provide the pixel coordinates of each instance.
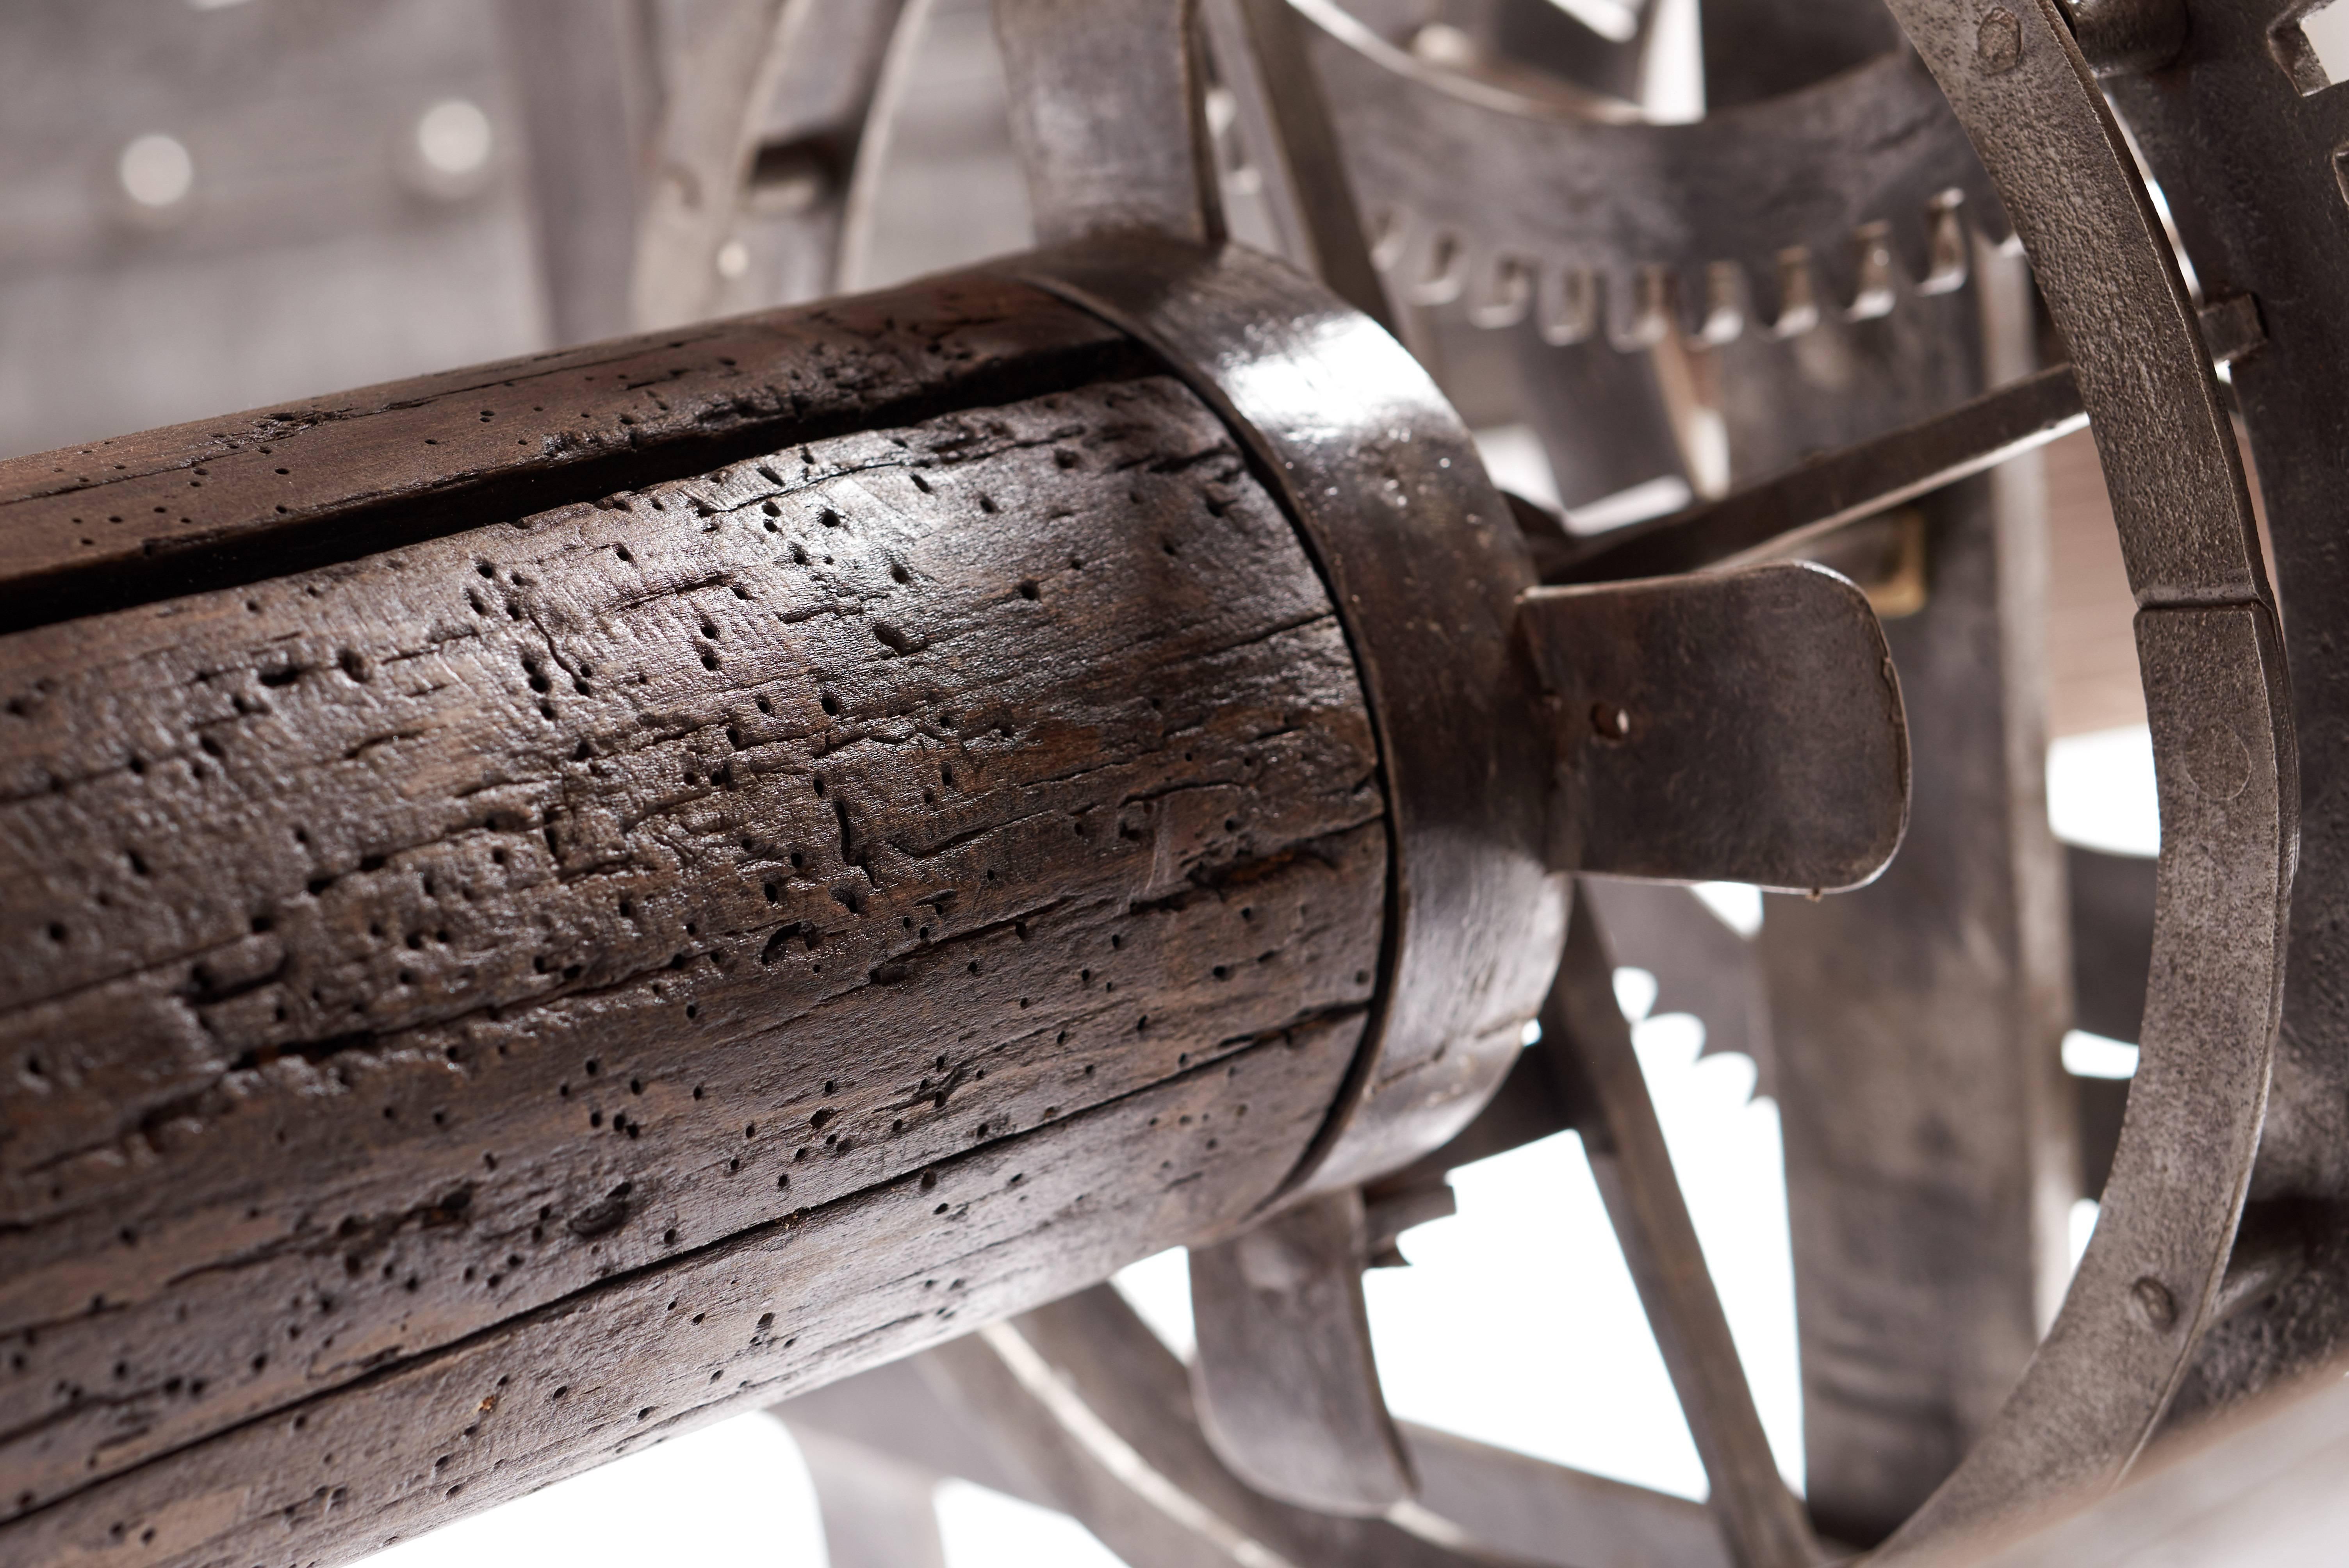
(1491, 194)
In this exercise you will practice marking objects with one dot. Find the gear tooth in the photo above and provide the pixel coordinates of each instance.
(1728, 304)
(1650, 312)
(1877, 277)
(2289, 41)
(1948, 248)
(1500, 290)
(1757, 275)
(1799, 295)
(1889, 178)
(1835, 273)
(1390, 232)
(1569, 304)
(1906, 234)
(1929, 245)
(1435, 268)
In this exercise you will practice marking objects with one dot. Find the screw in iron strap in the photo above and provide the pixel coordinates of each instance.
(1999, 42)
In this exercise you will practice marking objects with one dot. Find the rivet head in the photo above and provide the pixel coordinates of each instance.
(2218, 762)
(2154, 1301)
(1999, 42)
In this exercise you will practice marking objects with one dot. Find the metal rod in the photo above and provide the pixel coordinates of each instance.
(1843, 485)
(1589, 1045)
(1867, 477)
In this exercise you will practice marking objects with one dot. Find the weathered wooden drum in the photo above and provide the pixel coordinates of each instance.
(553, 901)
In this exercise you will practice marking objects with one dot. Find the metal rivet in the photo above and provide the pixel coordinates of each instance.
(2218, 762)
(2154, 1300)
(1999, 43)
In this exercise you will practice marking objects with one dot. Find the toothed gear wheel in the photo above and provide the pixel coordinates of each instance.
(1565, 208)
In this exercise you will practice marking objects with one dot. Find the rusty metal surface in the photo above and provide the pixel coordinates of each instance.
(2261, 1489)
(586, 88)
(1757, 49)
(1112, 1384)
(2122, 38)
(1816, 193)
(1914, 1027)
(732, 54)
(876, 1510)
(1704, 966)
(1914, 1022)
(2101, 258)
(1083, 1398)
(2175, 563)
(1522, 1508)
(1260, 55)
(748, 177)
(1304, 1449)
(1791, 509)
(793, 232)
(2112, 939)
(1450, 160)
(896, 1409)
(1425, 566)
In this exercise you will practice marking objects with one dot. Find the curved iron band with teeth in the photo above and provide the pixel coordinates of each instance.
(1768, 216)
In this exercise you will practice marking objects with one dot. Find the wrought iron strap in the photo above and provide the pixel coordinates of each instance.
(2038, 120)
(2246, 91)
(2223, 744)
(1426, 568)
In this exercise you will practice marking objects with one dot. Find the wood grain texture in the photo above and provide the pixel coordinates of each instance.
(763, 1316)
(435, 962)
(250, 496)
